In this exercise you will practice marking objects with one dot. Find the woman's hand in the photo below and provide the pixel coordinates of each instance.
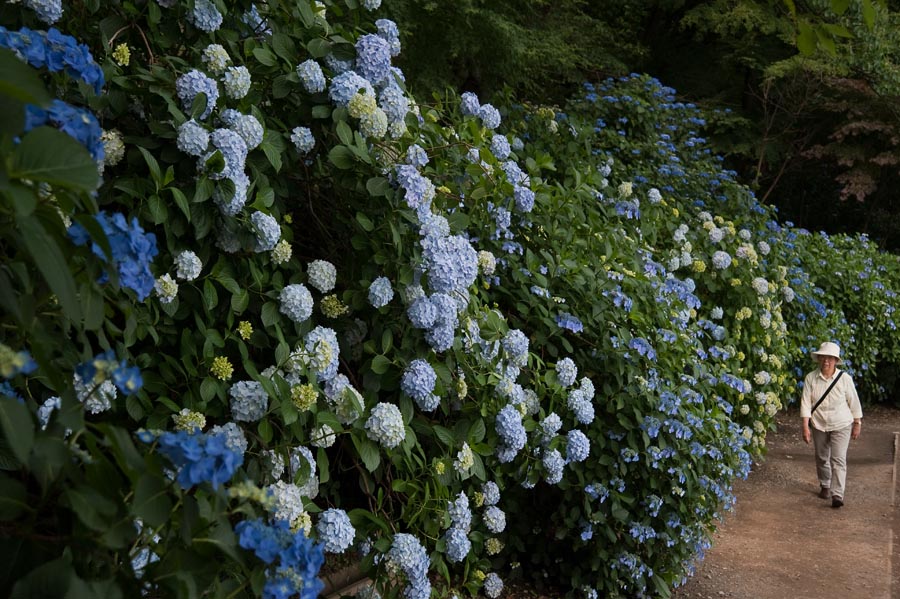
(854, 432)
(807, 435)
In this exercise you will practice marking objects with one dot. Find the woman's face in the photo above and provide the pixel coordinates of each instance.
(827, 364)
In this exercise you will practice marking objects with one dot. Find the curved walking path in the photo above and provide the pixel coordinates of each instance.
(782, 541)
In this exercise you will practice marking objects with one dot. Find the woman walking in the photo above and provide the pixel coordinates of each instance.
(835, 419)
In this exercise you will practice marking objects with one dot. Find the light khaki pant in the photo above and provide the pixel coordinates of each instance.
(831, 458)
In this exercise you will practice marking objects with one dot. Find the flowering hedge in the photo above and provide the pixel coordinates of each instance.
(301, 317)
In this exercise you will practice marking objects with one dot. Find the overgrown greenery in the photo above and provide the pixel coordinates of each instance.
(311, 314)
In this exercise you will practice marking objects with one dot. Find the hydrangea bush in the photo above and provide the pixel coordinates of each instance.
(265, 311)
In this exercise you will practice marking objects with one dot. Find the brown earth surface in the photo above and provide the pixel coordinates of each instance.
(781, 541)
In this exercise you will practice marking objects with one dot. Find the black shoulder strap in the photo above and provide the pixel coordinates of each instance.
(827, 391)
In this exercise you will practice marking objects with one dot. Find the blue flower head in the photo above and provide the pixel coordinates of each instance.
(373, 58)
(380, 292)
(193, 83)
(311, 76)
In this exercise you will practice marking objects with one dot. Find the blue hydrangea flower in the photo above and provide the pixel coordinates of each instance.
(311, 76)
(385, 425)
(380, 292)
(387, 29)
(371, 5)
(249, 401)
(303, 139)
(550, 426)
(322, 275)
(132, 251)
(493, 585)
(105, 366)
(206, 16)
(566, 321)
(491, 493)
(490, 116)
(416, 156)
(500, 147)
(193, 139)
(578, 446)
(458, 545)
(407, 555)
(294, 559)
(580, 406)
(337, 65)
(192, 83)
(508, 423)
(249, 128)
(346, 85)
(231, 200)
(78, 123)
(234, 152)
(373, 58)
(459, 512)
(469, 104)
(323, 350)
(46, 409)
(53, 50)
(524, 199)
(441, 337)
(296, 302)
(188, 265)
(494, 519)
(48, 11)
(721, 260)
(452, 265)
(268, 232)
(335, 530)
(236, 82)
(422, 313)
(198, 457)
(394, 103)
(418, 382)
(566, 372)
(515, 343)
(419, 189)
(553, 465)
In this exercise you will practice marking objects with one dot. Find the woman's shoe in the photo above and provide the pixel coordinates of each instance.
(837, 502)
(824, 492)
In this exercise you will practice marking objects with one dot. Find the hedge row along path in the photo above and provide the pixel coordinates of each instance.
(782, 541)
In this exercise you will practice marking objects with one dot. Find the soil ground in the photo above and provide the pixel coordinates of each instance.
(782, 541)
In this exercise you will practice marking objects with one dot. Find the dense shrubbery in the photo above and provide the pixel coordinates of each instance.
(305, 315)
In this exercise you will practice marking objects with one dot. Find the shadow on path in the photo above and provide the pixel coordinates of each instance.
(782, 541)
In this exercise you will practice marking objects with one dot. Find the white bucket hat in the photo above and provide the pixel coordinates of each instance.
(828, 349)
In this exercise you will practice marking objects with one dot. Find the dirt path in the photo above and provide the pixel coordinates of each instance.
(782, 541)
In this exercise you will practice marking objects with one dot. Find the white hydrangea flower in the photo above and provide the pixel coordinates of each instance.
(188, 265)
(166, 288)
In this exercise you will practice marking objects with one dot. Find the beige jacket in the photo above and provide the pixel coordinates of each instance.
(838, 410)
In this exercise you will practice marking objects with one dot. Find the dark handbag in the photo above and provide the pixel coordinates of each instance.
(824, 395)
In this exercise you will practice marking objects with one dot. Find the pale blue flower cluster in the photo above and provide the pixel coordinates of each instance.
(566, 321)
(344, 86)
(268, 232)
(721, 260)
(458, 544)
(515, 343)
(193, 83)
(419, 189)
(249, 401)
(193, 139)
(335, 530)
(409, 557)
(322, 275)
(469, 104)
(566, 372)
(416, 156)
(494, 519)
(493, 585)
(296, 302)
(380, 292)
(490, 116)
(385, 425)
(371, 5)
(48, 11)
(387, 29)
(508, 424)
(459, 512)
(188, 265)
(236, 82)
(303, 140)
(373, 58)
(500, 147)
(233, 149)
(322, 347)
(580, 406)
(311, 76)
(553, 465)
(452, 264)
(206, 16)
(394, 103)
(248, 127)
(491, 493)
(524, 199)
(578, 446)
(418, 383)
